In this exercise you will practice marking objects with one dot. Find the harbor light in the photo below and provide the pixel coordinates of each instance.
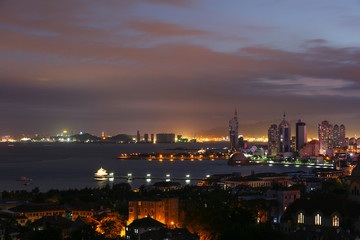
(207, 176)
(188, 175)
(187, 181)
(167, 175)
(148, 175)
(129, 176)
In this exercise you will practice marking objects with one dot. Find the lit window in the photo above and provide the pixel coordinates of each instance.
(136, 230)
(317, 219)
(336, 221)
(301, 218)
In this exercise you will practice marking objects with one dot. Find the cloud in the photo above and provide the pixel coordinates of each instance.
(100, 63)
(312, 86)
(175, 3)
(162, 29)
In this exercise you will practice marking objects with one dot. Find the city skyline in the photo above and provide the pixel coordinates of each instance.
(166, 66)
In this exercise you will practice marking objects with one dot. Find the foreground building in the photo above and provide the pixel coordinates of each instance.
(321, 212)
(164, 210)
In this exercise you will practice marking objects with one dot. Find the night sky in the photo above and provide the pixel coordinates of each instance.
(176, 66)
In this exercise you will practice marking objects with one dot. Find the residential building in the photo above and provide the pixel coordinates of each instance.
(310, 149)
(273, 140)
(342, 140)
(32, 212)
(164, 210)
(165, 138)
(325, 137)
(336, 136)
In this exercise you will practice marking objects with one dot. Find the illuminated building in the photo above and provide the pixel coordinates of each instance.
(293, 144)
(284, 136)
(310, 149)
(325, 137)
(164, 210)
(165, 138)
(325, 211)
(234, 132)
(152, 138)
(259, 180)
(342, 140)
(273, 140)
(301, 135)
(146, 137)
(32, 212)
(336, 136)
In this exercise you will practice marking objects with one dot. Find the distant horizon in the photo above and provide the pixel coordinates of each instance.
(214, 132)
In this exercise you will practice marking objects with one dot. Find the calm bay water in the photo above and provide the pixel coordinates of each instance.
(64, 166)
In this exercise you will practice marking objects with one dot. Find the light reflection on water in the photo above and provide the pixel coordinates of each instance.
(64, 166)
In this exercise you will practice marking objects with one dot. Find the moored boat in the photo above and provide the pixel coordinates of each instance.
(102, 174)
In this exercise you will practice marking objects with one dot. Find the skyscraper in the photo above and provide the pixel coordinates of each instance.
(284, 136)
(342, 140)
(301, 134)
(273, 140)
(234, 132)
(138, 136)
(336, 136)
(325, 137)
(146, 137)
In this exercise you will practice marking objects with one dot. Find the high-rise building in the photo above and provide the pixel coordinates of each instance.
(152, 138)
(342, 140)
(325, 136)
(336, 136)
(146, 137)
(284, 136)
(165, 138)
(234, 132)
(273, 140)
(301, 135)
(138, 136)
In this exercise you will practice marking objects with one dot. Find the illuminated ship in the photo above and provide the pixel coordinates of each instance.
(101, 174)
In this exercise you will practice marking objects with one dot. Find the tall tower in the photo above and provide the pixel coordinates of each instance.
(325, 136)
(284, 136)
(234, 132)
(301, 134)
(342, 140)
(273, 140)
